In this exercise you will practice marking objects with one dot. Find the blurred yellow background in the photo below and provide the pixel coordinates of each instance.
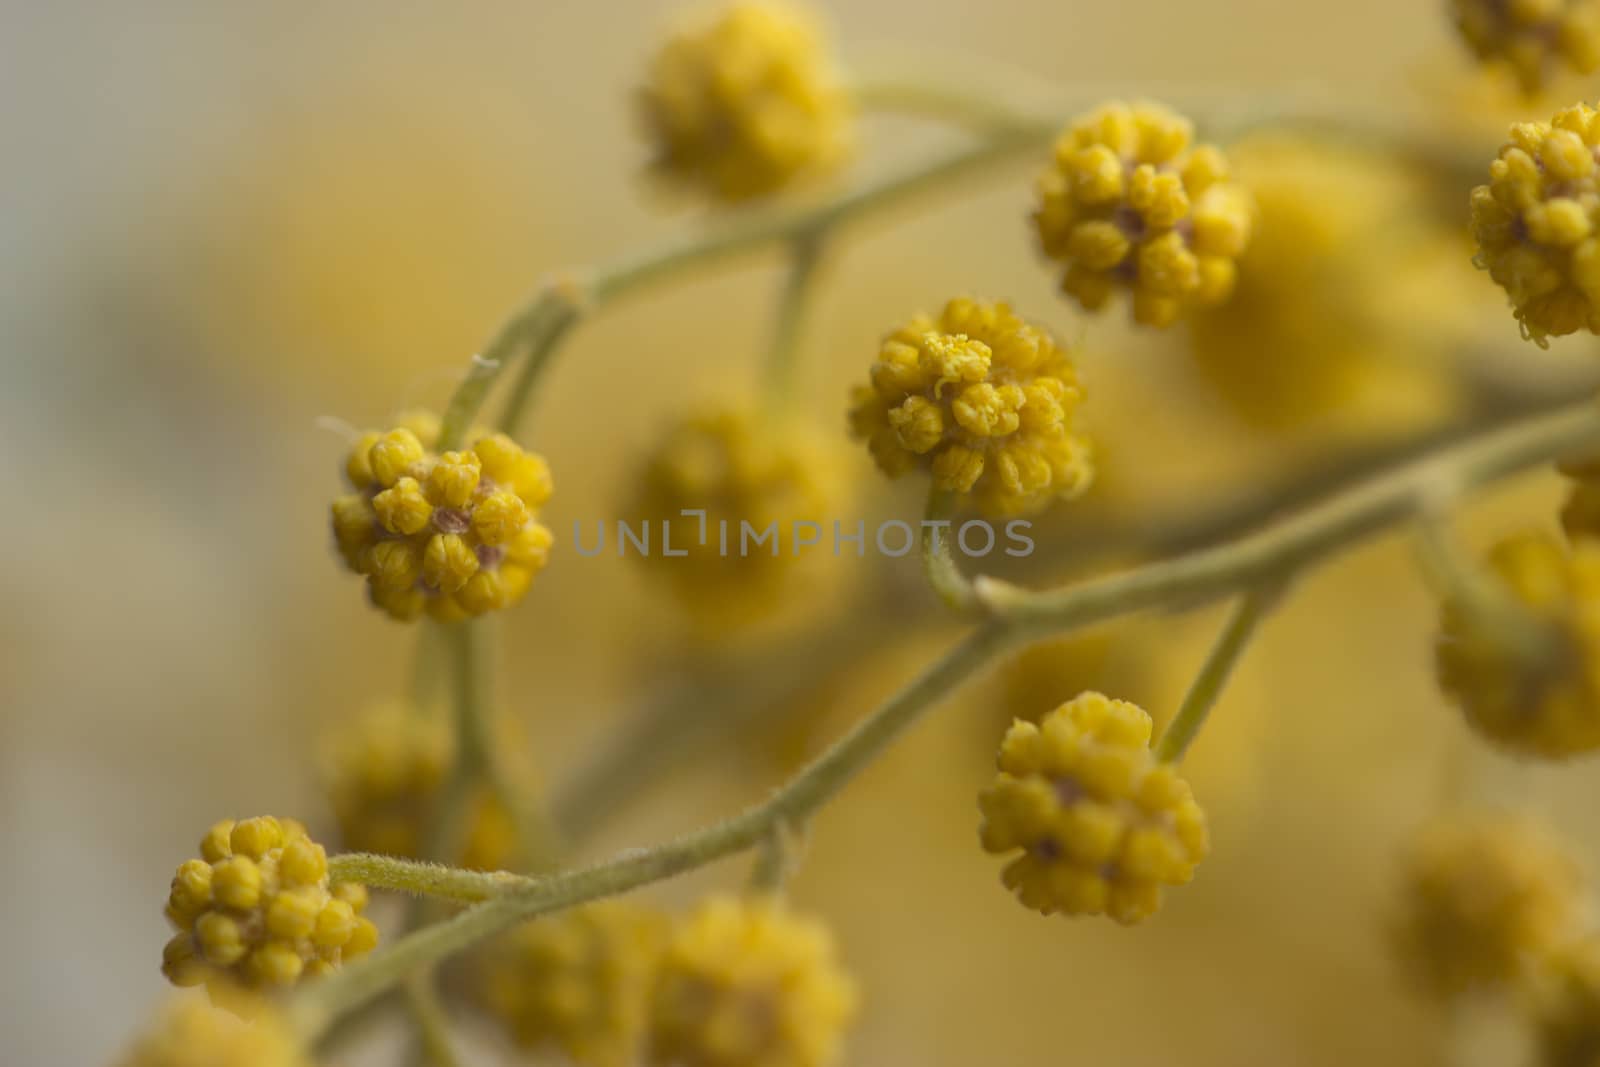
(226, 225)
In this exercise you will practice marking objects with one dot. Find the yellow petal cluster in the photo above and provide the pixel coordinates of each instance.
(579, 982)
(1535, 39)
(256, 910)
(981, 399)
(742, 470)
(452, 534)
(746, 982)
(1128, 203)
(1485, 899)
(1344, 235)
(1566, 1006)
(1101, 825)
(383, 773)
(192, 1033)
(1535, 223)
(746, 103)
(1535, 690)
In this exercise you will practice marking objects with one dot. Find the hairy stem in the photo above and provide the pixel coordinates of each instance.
(938, 561)
(1213, 677)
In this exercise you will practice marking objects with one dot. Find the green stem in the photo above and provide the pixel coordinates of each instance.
(794, 301)
(435, 1046)
(1271, 554)
(1213, 676)
(938, 561)
(421, 878)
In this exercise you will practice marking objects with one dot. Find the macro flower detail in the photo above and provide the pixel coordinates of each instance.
(1533, 38)
(1484, 900)
(1535, 223)
(746, 474)
(192, 1033)
(1565, 1005)
(981, 399)
(748, 983)
(1128, 203)
(1528, 679)
(747, 103)
(384, 773)
(579, 982)
(1101, 825)
(256, 910)
(453, 534)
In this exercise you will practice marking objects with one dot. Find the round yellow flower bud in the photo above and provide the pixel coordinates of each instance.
(756, 481)
(1566, 1005)
(982, 400)
(1101, 825)
(1484, 899)
(1129, 204)
(1538, 696)
(1535, 223)
(745, 104)
(748, 983)
(257, 910)
(384, 772)
(452, 535)
(1533, 38)
(579, 982)
(192, 1033)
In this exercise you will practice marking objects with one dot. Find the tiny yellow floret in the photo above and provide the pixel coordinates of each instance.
(1534, 39)
(1129, 204)
(1535, 223)
(579, 982)
(745, 104)
(1484, 900)
(1100, 823)
(1530, 683)
(192, 1033)
(257, 912)
(449, 535)
(746, 982)
(982, 400)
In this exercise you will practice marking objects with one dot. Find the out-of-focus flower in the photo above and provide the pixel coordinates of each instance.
(1533, 38)
(579, 982)
(746, 982)
(1484, 900)
(981, 399)
(747, 103)
(192, 1033)
(1566, 1005)
(256, 910)
(1129, 204)
(1101, 824)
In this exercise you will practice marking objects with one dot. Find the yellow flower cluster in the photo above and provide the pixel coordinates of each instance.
(1485, 900)
(1100, 823)
(984, 401)
(742, 471)
(1129, 204)
(383, 773)
(1535, 223)
(1532, 37)
(452, 534)
(1540, 695)
(1580, 516)
(1566, 1006)
(747, 983)
(744, 105)
(256, 910)
(579, 982)
(191, 1033)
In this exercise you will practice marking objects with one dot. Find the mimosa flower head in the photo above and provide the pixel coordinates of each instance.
(1535, 223)
(579, 982)
(192, 1033)
(255, 910)
(1530, 682)
(1484, 901)
(1100, 824)
(748, 983)
(451, 535)
(1533, 38)
(982, 400)
(745, 104)
(1129, 204)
